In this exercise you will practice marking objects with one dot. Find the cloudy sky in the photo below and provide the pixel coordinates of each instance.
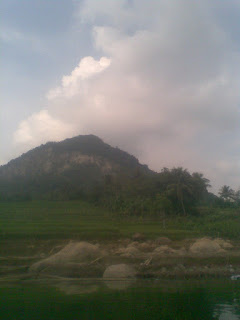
(157, 78)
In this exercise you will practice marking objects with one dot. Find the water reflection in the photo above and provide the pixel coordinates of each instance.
(165, 300)
(71, 288)
(118, 285)
(226, 312)
(170, 299)
(86, 287)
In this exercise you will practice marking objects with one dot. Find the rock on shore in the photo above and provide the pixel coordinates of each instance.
(73, 256)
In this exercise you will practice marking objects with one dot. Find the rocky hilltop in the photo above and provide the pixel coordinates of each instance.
(73, 165)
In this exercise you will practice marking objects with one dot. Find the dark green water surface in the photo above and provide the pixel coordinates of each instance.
(80, 300)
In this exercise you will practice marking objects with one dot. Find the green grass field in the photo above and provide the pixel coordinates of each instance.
(80, 220)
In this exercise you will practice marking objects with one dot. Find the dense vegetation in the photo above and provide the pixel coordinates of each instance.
(85, 168)
(70, 169)
(172, 191)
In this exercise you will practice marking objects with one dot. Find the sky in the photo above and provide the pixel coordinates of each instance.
(157, 78)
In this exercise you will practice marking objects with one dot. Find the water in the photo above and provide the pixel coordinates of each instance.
(123, 300)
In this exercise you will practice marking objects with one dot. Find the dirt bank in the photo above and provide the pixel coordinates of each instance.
(159, 258)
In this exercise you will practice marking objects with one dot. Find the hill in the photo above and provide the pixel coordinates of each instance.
(65, 169)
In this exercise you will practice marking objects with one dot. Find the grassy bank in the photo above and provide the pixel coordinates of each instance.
(31, 231)
(79, 220)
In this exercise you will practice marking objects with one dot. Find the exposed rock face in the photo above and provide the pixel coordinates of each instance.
(59, 157)
(206, 246)
(73, 256)
(119, 271)
(81, 163)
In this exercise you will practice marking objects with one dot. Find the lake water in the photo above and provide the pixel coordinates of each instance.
(95, 300)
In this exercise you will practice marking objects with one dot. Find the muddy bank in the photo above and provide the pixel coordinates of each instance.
(130, 258)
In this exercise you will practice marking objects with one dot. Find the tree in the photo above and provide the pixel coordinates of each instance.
(226, 193)
(201, 184)
(163, 206)
(237, 197)
(180, 188)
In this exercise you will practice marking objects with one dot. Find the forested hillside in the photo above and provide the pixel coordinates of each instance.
(86, 168)
(65, 170)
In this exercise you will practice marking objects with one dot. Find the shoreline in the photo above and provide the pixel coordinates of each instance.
(151, 259)
(29, 278)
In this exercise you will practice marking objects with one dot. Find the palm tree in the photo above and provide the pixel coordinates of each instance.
(201, 184)
(181, 187)
(226, 193)
(237, 197)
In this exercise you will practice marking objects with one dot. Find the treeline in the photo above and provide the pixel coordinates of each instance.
(127, 193)
(172, 191)
(86, 168)
(229, 196)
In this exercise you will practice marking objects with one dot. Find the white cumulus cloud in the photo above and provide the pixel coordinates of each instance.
(41, 127)
(87, 68)
(166, 88)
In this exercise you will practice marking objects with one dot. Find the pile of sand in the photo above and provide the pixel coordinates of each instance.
(206, 246)
(73, 256)
(162, 250)
(131, 251)
(162, 241)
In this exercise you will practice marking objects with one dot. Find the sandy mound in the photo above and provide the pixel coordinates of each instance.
(162, 241)
(119, 271)
(225, 244)
(138, 237)
(182, 251)
(164, 250)
(146, 246)
(80, 252)
(131, 251)
(206, 246)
